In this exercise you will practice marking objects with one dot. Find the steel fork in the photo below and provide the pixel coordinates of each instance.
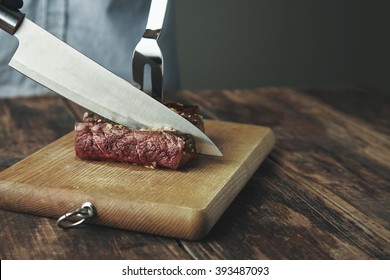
(147, 53)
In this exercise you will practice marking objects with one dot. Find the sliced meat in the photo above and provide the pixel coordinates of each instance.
(97, 138)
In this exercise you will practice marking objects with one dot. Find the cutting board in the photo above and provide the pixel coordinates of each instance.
(182, 203)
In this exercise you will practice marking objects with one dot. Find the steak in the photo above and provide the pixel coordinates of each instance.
(97, 138)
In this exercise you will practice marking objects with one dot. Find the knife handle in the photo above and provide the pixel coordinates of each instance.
(10, 20)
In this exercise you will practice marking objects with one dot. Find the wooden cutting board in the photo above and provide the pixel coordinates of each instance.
(184, 204)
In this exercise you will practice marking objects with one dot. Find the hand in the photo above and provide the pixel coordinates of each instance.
(12, 4)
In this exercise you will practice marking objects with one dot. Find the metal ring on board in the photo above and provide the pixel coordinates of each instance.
(86, 211)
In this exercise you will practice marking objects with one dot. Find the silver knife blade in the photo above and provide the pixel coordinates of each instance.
(57, 66)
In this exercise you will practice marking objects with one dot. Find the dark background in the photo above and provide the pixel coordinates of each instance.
(228, 44)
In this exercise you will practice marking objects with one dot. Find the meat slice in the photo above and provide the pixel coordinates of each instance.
(97, 138)
(189, 112)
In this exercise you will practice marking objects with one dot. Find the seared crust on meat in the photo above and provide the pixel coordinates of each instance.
(97, 138)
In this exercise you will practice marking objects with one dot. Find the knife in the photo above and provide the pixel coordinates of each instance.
(57, 66)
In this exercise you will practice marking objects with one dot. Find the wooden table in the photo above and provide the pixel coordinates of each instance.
(323, 192)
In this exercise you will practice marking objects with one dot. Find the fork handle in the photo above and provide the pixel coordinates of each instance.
(155, 19)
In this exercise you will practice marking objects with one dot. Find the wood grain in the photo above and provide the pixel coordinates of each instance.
(27, 125)
(184, 203)
(323, 193)
(324, 187)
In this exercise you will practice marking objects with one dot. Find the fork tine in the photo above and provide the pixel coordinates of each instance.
(157, 82)
(155, 76)
(138, 69)
(147, 52)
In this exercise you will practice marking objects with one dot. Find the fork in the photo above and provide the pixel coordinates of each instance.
(147, 53)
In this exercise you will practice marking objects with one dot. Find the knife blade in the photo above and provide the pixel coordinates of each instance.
(57, 66)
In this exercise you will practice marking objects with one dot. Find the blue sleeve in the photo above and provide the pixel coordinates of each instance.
(105, 30)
